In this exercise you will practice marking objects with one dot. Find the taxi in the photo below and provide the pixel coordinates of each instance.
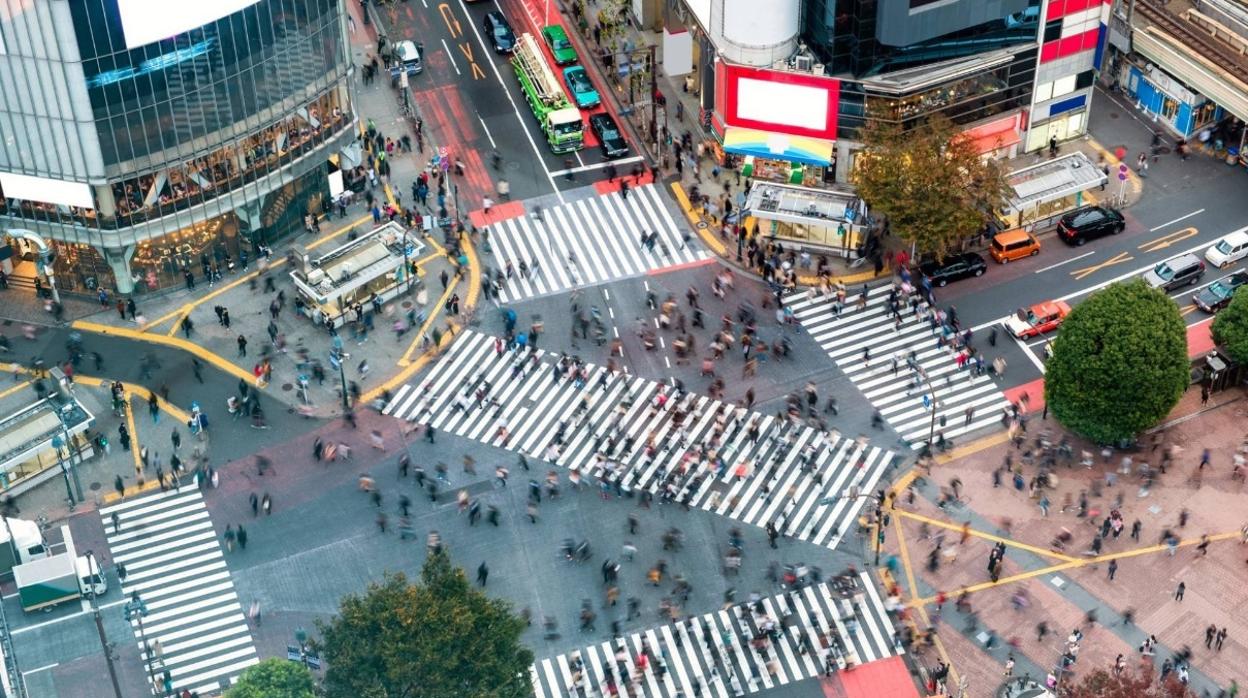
(1038, 319)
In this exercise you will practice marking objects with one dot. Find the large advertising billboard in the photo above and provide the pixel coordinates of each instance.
(145, 21)
(798, 104)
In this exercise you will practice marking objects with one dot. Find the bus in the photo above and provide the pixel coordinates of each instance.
(559, 118)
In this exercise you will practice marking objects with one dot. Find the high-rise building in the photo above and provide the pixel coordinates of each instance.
(142, 139)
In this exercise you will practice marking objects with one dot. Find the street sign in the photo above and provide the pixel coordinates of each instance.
(334, 360)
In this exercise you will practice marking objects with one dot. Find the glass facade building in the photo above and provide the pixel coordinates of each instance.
(178, 154)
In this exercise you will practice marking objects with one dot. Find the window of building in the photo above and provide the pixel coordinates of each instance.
(1044, 92)
(1063, 86)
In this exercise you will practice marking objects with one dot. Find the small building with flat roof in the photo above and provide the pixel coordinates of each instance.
(40, 438)
(832, 220)
(1041, 193)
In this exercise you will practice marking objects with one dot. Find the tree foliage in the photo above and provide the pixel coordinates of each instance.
(1119, 363)
(1141, 683)
(440, 638)
(1230, 327)
(274, 677)
(929, 182)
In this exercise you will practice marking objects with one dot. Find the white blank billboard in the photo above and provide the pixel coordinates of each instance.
(778, 103)
(145, 21)
(48, 191)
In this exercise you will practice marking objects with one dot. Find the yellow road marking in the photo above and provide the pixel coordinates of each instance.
(14, 388)
(110, 497)
(1088, 271)
(174, 342)
(411, 348)
(914, 589)
(1167, 240)
(1043, 552)
(134, 437)
(1187, 309)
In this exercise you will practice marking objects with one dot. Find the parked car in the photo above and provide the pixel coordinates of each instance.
(407, 58)
(1183, 270)
(1217, 295)
(560, 47)
(1089, 223)
(500, 32)
(1038, 319)
(954, 267)
(1228, 250)
(582, 89)
(609, 137)
(1013, 244)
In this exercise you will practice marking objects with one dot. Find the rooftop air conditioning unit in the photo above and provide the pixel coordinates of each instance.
(780, 65)
(818, 69)
(803, 62)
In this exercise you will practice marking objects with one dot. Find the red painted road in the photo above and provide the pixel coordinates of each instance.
(610, 187)
(498, 213)
(1199, 343)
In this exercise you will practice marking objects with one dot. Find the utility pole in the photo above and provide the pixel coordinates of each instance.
(92, 564)
(654, 108)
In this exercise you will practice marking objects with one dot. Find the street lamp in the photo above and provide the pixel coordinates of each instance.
(135, 609)
(300, 652)
(92, 564)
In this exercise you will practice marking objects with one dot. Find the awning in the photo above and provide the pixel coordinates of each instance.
(778, 146)
(1218, 83)
(884, 678)
(999, 134)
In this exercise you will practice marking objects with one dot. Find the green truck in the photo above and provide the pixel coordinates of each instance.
(559, 118)
(45, 582)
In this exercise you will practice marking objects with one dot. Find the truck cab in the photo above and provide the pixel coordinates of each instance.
(91, 579)
(408, 57)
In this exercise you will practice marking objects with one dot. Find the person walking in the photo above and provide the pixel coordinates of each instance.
(483, 573)
(1210, 633)
(242, 345)
(229, 537)
(1113, 569)
(242, 537)
(1179, 591)
(153, 407)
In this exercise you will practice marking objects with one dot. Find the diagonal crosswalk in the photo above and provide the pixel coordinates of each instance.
(840, 623)
(809, 484)
(882, 374)
(602, 232)
(173, 561)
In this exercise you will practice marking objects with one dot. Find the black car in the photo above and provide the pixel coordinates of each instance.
(499, 30)
(954, 267)
(1217, 295)
(1089, 223)
(608, 133)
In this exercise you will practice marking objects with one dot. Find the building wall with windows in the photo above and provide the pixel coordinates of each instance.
(196, 146)
(1072, 44)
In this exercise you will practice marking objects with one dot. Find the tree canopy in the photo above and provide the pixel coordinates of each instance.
(440, 638)
(274, 677)
(1119, 363)
(1230, 327)
(930, 182)
(1132, 683)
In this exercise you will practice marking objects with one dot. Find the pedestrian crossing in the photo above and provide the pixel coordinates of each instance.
(603, 235)
(717, 654)
(808, 483)
(174, 562)
(882, 375)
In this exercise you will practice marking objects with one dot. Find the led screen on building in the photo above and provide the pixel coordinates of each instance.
(798, 104)
(145, 21)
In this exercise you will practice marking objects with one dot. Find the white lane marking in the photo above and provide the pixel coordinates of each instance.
(1067, 261)
(487, 131)
(451, 56)
(598, 165)
(1030, 354)
(1176, 220)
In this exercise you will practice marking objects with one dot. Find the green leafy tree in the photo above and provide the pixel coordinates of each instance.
(929, 181)
(1141, 683)
(1119, 363)
(1230, 327)
(440, 638)
(274, 677)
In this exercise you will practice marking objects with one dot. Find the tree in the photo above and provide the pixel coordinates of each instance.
(440, 638)
(274, 677)
(1230, 327)
(1119, 363)
(930, 182)
(1140, 683)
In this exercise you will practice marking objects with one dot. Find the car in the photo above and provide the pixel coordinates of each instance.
(1183, 270)
(1228, 250)
(954, 267)
(407, 58)
(500, 32)
(560, 47)
(582, 89)
(1217, 295)
(612, 141)
(1038, 319)
(1089, 223)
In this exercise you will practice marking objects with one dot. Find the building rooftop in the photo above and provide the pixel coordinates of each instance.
(1053, 179)
(769, 200)
(31, 421)
(349, 266)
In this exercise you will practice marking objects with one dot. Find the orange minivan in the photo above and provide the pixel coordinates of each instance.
(1013, 244)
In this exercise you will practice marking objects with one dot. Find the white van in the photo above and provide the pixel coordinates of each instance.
(1229, 249)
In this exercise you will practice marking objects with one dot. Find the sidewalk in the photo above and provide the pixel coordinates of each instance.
(1062, 586)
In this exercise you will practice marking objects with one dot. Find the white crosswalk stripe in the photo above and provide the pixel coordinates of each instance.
(604, 233)
(810, 484)
(174, 562)
(713, 654)
(882, 374)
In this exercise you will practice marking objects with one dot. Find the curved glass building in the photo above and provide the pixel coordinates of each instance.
(142, 138)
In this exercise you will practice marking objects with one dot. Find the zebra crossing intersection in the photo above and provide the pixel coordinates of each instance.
(811, 485)
(603, 232)
(872, 349)
(174, 562)
(840, 623)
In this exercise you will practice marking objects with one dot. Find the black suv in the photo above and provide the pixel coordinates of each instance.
(1089, 223)
(501, 35)
(954, 267)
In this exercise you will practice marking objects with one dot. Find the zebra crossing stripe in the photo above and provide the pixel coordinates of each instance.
(871, 348)
(527, 409)
(173, 561)
(712, 652)
(604, 233)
